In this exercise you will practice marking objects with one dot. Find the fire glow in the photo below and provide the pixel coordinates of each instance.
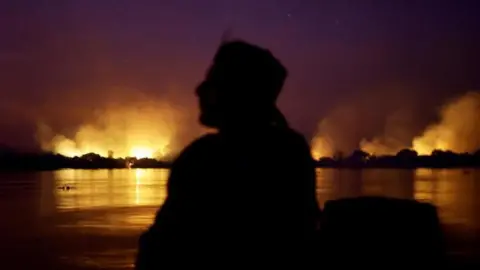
(143, 131)
(151, 129)
(458, 130)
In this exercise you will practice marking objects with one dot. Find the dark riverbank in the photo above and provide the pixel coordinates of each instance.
(46, 162)
(405, 159)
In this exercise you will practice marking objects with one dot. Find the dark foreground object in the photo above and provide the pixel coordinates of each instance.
(373, 232)
(382, 232)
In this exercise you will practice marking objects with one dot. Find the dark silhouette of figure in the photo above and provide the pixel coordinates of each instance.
(244, 196)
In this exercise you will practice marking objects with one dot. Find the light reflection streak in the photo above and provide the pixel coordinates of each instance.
(454, 192)
(89, 189)
(138, 175)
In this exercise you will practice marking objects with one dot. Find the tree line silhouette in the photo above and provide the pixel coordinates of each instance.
(405, 158)
(12, 161)
(409, 159)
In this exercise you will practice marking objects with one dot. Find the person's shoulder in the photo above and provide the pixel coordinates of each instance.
(198, 146)
(293, 144)
(291, 136)
(205, 141)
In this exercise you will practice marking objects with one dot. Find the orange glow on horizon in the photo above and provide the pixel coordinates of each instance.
(321, 147)
(142, 152)
(458, 131)
(151, 129)
(144, 131)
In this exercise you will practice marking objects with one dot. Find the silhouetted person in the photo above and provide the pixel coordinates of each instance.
(245, 195)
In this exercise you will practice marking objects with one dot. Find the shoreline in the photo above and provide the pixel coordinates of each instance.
(338, 167)
(405, 159)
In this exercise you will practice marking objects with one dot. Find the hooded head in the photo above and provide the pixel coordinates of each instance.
(241, 87)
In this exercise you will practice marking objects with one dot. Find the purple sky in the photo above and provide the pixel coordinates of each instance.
(59, 60)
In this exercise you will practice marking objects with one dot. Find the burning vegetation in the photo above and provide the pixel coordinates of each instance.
(458, 131)
(143, 130)
(147, 134)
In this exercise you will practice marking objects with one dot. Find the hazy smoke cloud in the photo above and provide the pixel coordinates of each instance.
(346, 128)
(458, 130)
(141, 127)
(379, 118)
(335, 131)
(397, 135)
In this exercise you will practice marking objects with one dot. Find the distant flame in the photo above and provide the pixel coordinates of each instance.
(434, 138)
(321, 147)
(458, 130)
(142, 152)
(144, 131)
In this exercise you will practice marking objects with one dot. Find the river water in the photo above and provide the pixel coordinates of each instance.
(96, 223)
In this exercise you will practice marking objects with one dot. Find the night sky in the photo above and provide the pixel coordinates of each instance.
(59, 60)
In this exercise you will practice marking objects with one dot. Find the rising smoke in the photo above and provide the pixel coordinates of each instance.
(142, 128)
(397, 135)
(145, 127)
(334, 132)
(458, 130)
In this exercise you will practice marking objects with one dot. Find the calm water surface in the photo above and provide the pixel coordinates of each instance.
(96, 224)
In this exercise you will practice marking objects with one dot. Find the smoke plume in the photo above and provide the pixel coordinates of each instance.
(396, 136)
(334, 132)
(143, 128)
(344, 129)
(458, 129)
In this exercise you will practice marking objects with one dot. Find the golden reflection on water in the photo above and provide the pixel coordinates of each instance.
(424, 185)
(122, 202)
(453, 191)
(89, 189)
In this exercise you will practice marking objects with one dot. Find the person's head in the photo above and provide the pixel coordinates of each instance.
(241, 87)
